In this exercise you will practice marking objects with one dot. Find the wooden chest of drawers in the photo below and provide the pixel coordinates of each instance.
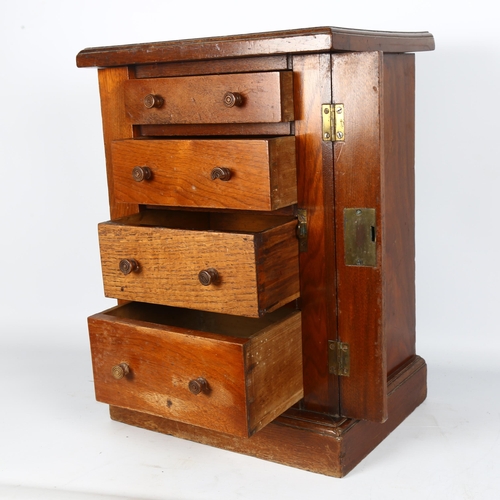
(261, 241)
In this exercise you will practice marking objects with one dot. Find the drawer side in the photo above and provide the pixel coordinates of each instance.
(274, 379)
(278, 266)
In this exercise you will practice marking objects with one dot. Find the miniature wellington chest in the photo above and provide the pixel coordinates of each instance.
(261, 241)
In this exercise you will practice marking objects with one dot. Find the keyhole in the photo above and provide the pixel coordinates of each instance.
(373, 233)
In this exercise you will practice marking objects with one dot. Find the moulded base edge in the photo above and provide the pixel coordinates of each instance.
(305, 440)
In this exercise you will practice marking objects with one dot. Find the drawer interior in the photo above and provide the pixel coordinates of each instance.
(199, 321)
(205, 221)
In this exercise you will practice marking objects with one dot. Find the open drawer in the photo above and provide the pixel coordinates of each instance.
(245, 174)
(241, 264)
(220, 372)
(265, 97)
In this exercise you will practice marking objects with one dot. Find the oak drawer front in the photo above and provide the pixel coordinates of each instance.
(245, 265)
(252, 174)
(201, 374)
(230, 98)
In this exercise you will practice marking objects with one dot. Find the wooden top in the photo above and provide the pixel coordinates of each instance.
(323, 39)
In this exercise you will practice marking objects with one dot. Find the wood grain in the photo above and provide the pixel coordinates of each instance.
(111, 81)
(267, 98)
(171, 256)
(398, 204)
(215, 129)
(309, 441)
(217, 66)
(307, 40)
(357, 79)
(312, 88)
(273, 362)
(250, 380)
(263, 173)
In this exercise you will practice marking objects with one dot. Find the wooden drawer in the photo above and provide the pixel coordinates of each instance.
(253, 260)
(259, 98)
(232, 375)
(251, 174)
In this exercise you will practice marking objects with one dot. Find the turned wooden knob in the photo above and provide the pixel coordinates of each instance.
(208, 276)
(198, 385)
(120, 371)
(221, 173)
(141, 174)
(128, 266)
(233, 99)
(153, 101)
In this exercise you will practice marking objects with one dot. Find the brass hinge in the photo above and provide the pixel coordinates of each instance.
(339, 358)
(302, 229)
(333, 122)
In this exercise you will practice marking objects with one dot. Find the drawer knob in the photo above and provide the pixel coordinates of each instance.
(221, 173)
(208, 276)
(128, 266)
(233, 99)
(141, 174)
(120, 371)
(198, 385)
(153, 101)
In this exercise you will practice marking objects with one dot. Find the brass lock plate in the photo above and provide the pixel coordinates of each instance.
(360, 237)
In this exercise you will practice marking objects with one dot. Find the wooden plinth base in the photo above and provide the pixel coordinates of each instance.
(310, 441)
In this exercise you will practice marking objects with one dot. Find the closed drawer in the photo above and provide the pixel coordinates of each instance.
(232, 375)
(231, 98)
(242, 264)
(252, 174)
